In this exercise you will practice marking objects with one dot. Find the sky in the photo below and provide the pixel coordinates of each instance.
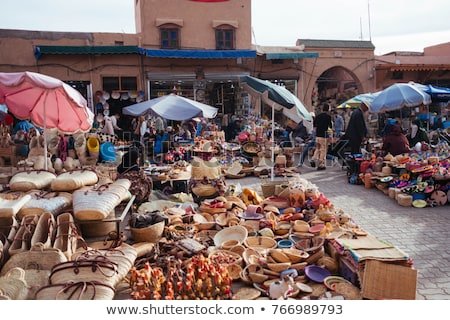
(395, 25)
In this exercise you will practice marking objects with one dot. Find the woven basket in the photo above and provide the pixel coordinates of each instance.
(98, 203)
(106, 171)
(238, 233)
(95, 230)
(122, 257)
(31, 180)
(150, 234)
(37, 258)
(404, 200)
(279, 267)
(74, 180)
(66, 234)
(209, 169)
(41, 202)
(13, 285)
(92, 290)
(268, 188)
(232, 257)
(204, 190)
(103, 270)
(35, 280)
(9, 208)
(329, 263)
(260, 243)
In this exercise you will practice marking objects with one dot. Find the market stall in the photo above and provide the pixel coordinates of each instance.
(285, 242)
(419, 179)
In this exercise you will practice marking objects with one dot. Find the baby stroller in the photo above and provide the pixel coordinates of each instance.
(341, 150)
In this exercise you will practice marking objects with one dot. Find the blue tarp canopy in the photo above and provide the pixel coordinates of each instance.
(198, 54)
(438, 93)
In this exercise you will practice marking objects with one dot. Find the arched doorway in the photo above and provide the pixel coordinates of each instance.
(335, 85)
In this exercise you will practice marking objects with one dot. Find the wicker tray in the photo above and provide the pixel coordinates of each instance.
(388, 281)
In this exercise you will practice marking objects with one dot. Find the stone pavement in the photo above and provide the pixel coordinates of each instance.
(422, 233)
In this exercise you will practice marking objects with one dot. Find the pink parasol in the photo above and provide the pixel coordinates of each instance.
(46, 101)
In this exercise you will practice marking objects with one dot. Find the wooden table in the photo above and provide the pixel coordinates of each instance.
(183, 177)
(118, 216)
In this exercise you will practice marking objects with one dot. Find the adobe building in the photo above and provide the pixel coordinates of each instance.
(196, 49)
(432, 66)
(172, 51)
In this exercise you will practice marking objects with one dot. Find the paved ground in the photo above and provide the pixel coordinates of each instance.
(422, 233)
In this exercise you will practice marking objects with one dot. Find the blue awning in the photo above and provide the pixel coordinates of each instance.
(291, 55)
(198, 54)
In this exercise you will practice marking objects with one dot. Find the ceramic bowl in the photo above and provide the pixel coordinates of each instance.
(316, 273)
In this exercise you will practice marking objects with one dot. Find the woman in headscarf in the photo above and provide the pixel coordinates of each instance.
(418, 133)
(395, 142)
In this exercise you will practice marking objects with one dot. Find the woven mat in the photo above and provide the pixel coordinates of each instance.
(366, 242)
(389, 281)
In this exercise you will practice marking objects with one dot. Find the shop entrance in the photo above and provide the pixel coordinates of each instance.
(335, 86)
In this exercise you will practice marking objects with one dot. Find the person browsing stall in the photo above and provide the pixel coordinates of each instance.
(357, 129)
(395, 142)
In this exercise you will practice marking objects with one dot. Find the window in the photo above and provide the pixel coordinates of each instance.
(170, 38)
(111, 84)
(225, 39)
(397, 75)
(118, 43)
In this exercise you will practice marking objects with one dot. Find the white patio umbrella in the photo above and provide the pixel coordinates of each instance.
(172, 107)
(397, 96)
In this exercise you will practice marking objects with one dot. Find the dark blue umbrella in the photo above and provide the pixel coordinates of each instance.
(439, 94)
(276, 93)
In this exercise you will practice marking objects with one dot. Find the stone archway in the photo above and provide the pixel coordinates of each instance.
(336, 85)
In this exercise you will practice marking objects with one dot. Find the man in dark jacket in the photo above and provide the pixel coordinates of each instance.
(322, 123)
(357, 129)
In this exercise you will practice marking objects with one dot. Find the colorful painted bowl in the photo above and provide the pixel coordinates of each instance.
(316, 229)
(419, 203)
(419, 196)
(316, 273)
(285, 244)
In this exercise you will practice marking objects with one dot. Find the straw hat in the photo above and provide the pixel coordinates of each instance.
(115, 95)
(439, 197)
(106, 95)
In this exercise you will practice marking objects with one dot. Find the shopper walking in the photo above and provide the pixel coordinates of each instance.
(338, 124)
(321, 123)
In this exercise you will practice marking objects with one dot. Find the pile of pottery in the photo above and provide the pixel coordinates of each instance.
(411, 180)
(264, 244)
